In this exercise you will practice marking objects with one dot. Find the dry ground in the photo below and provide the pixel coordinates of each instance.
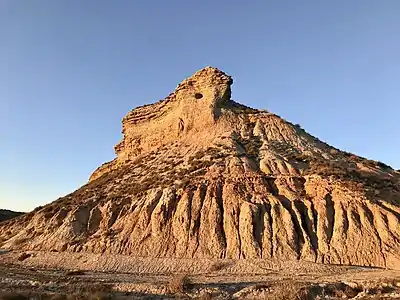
(53, 275)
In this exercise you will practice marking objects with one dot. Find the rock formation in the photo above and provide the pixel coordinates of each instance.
(198, 175)
(6, 214)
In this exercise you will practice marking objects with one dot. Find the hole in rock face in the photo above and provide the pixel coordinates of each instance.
(198, 96)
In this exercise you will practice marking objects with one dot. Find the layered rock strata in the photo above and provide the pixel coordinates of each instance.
(198, 175)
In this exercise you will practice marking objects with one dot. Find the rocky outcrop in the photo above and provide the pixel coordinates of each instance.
(199, 175)
(193, 105)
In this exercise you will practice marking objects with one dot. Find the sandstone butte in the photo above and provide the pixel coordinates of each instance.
(198, 175)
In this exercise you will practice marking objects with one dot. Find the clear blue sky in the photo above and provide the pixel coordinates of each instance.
(71, 69)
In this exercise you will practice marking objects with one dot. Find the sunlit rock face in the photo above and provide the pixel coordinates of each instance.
(198, 175)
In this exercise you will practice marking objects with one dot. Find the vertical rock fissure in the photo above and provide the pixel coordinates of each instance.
(238, 232)
(268, 208)
(258, 227)
(345, 221)
(220, 202)
(196, 228)
(307, 224)
(190, 195)
(315, 219)
(330, 215)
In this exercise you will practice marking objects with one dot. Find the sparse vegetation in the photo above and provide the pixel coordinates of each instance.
(37, 208)
(238, 108)
(343, 171)
(372, 163)
(251, 146)
(379, 164)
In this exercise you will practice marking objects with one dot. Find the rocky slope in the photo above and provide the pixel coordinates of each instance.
(6, 214)
(198, 175)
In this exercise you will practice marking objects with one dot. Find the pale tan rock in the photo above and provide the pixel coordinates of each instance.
(198, 175)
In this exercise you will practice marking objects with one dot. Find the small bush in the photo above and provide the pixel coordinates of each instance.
(218, 266)
(37, 208)
(179, 284)
(23, 256)
(287, 290)
(381, 165)
(334, 151)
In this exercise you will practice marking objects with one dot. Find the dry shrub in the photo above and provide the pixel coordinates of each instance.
(290, 290)
(37, 208)
(350, 292)
(381, 289)
(23, 256)
(341, 290)
(217, 266)
(333, 151)
(179, 283)
(303, 294)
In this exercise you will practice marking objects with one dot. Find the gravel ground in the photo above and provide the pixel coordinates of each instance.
(52, 275)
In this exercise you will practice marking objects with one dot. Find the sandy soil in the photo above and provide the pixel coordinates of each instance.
(76, 275)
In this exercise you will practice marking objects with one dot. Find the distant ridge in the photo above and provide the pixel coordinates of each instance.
(6, 214)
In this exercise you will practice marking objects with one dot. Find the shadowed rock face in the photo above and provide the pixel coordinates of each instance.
(199, 175)
(8, 214)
